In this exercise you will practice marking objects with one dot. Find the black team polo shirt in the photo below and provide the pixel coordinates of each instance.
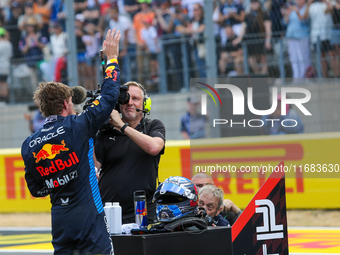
(127, 168)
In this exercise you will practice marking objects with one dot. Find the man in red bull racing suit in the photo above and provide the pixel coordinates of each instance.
(59, 161)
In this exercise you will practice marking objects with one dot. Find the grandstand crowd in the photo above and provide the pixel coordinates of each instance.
(33, 38)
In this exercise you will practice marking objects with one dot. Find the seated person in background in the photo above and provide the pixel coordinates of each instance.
(230, 210)
(276, 127)
(211, 198)
(231, 54)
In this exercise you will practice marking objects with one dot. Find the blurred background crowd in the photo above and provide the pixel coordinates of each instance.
(280, 38)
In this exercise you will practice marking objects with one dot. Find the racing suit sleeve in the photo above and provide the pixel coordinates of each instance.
(36, 189)
(99, 111)
(100, 149)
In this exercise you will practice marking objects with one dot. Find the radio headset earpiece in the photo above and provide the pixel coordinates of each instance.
(146, 99)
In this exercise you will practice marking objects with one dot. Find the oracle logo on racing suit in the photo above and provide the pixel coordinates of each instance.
(47, 137)
(51, 184)
(58, 165)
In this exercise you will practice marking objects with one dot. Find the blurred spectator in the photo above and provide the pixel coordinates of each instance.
(131, 7)
(256, 31)
(80, 6)
(31, 46)
(275, 14)
(5, 57)
(29, 14)
(321, 27)
(181, 22)
(58, 13)
(107, 4)
(92, 42)
(336, 30)
(188, 6)
(81, 48)
(120, 4)
(2, 17)
(163, 17)
(105, 7)
(166, 28)
(5, 9)
(43, 8)
(21, 4)
(114, 19)
(92, 12)
(150, 37)
(55, 67)
(122, 23)
(232, 55)
(36, 120)
(192, 123)
(232, 14)
(146, 13)
(196, 29)
(58, 41)
(59, 50)
(293, 123)
(13, 31)
(298, 38)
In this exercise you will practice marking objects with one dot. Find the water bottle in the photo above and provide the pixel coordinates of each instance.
(141, 213)
(107, 210)
(113, 214)
(116, 219)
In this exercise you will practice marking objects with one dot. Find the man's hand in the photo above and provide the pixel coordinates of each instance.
(115, 120)
(111, 44)
(230, 206)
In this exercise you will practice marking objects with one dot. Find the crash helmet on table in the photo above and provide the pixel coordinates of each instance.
(175, 197)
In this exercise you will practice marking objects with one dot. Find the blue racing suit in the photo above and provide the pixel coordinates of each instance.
(59, 162)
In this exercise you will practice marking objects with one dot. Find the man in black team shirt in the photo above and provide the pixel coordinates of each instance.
(128, 155)
(59, 161)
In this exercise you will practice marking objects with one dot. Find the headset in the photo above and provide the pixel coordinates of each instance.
(146, 99)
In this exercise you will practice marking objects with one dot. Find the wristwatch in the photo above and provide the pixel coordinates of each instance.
(123, 127)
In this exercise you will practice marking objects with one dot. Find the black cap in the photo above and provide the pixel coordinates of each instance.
(29, 5)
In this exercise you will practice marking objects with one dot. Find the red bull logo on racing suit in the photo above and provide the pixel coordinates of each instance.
(58, 165)
(109, 72)
(49, 151)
